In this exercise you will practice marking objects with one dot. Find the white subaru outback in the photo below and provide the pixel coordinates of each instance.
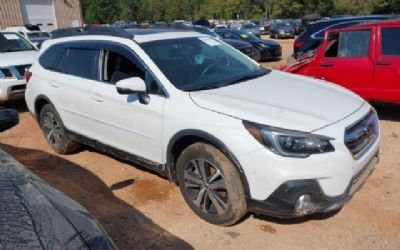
(234, 136)
(16, 55)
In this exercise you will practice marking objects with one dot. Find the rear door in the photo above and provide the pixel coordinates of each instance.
(387, 65)
(348, 61)
(78, 70)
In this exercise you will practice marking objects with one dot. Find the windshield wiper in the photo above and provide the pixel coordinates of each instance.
(243, 78)
(234, 80)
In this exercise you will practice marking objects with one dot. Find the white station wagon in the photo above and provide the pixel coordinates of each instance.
(234, 136)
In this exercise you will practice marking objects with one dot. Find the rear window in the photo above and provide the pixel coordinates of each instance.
(49, 58)
(390, 41)
(79, 62)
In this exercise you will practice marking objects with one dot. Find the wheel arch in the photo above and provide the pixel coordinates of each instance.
(40, 102)
(185, 138)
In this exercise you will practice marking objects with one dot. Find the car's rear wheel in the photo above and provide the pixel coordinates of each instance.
(54, 131)
(211, 185)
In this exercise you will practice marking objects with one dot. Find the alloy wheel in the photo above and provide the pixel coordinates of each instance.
(52, 130)
(206, 186)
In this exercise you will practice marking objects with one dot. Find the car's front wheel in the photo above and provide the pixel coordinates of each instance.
(211, 184)
(257, 55)
(54, 131)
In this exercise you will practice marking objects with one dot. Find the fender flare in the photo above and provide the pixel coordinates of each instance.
(204, 136)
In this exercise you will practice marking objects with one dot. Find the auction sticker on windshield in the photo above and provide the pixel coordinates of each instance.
(209, 41)
(11, 36)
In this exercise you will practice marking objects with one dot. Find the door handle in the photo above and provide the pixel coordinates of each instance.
(326, 64)
(54, 84)
(383, 63)
(97, 98)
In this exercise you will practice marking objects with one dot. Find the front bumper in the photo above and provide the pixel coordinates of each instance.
(285, 35)
(12, 89)
(271, 53)
(282, 203)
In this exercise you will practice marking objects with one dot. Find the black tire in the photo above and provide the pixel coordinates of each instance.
(257, 55)
(221, 199)
(54, 131)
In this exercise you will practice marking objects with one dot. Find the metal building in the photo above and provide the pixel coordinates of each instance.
(48, 14)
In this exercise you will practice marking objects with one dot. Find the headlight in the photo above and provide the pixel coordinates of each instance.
(289, 143)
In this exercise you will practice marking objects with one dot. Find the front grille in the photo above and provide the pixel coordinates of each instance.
(362, 134)
(5, 73)
(14, 71)
(21, 69)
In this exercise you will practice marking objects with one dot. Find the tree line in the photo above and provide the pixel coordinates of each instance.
(107, 11)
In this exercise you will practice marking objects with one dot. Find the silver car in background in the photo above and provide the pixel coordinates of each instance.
(246, 26)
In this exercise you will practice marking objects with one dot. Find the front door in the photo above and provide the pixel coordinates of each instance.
(121, 121)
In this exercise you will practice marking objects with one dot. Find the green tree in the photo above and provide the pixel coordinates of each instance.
(101, 11)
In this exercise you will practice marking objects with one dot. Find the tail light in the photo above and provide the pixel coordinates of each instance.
(298, 44)
(27, 75)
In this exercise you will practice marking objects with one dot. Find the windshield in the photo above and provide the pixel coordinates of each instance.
(248, 36)
(200, 63)
(249, 26)
(12, 42)
(36, 35)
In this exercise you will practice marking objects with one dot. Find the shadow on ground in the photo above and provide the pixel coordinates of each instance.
(127, 227)
(389, 112)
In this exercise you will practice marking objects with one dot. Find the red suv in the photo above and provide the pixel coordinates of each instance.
(363, 58)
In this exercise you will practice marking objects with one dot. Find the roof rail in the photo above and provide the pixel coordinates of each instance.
(99, 31)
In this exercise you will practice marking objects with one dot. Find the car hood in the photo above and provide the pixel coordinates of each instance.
(17, 58)
(268, 42)
(237, 43)
(282, 100)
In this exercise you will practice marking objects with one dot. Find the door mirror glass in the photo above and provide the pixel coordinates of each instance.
(133, 85)
(8, 119)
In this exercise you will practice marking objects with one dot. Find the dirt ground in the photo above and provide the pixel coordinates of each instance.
(141, 210)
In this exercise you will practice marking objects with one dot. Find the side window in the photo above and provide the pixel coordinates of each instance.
(62, 62)
(349, 44)
(117, 67)
(222, 34)
(49, 58)
(390, 41)
(79, 62)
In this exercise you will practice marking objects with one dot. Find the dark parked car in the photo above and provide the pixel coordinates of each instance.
(264, 25)
(37, 216)
(243, 46)
(263, 49)
(313, 36)
(246, 26)
(282, 30)
(8, 119)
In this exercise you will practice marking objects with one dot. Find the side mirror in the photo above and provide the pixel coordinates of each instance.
(8, 119)
(133, 85)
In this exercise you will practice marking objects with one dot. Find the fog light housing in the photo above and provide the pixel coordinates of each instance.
(304, 205)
